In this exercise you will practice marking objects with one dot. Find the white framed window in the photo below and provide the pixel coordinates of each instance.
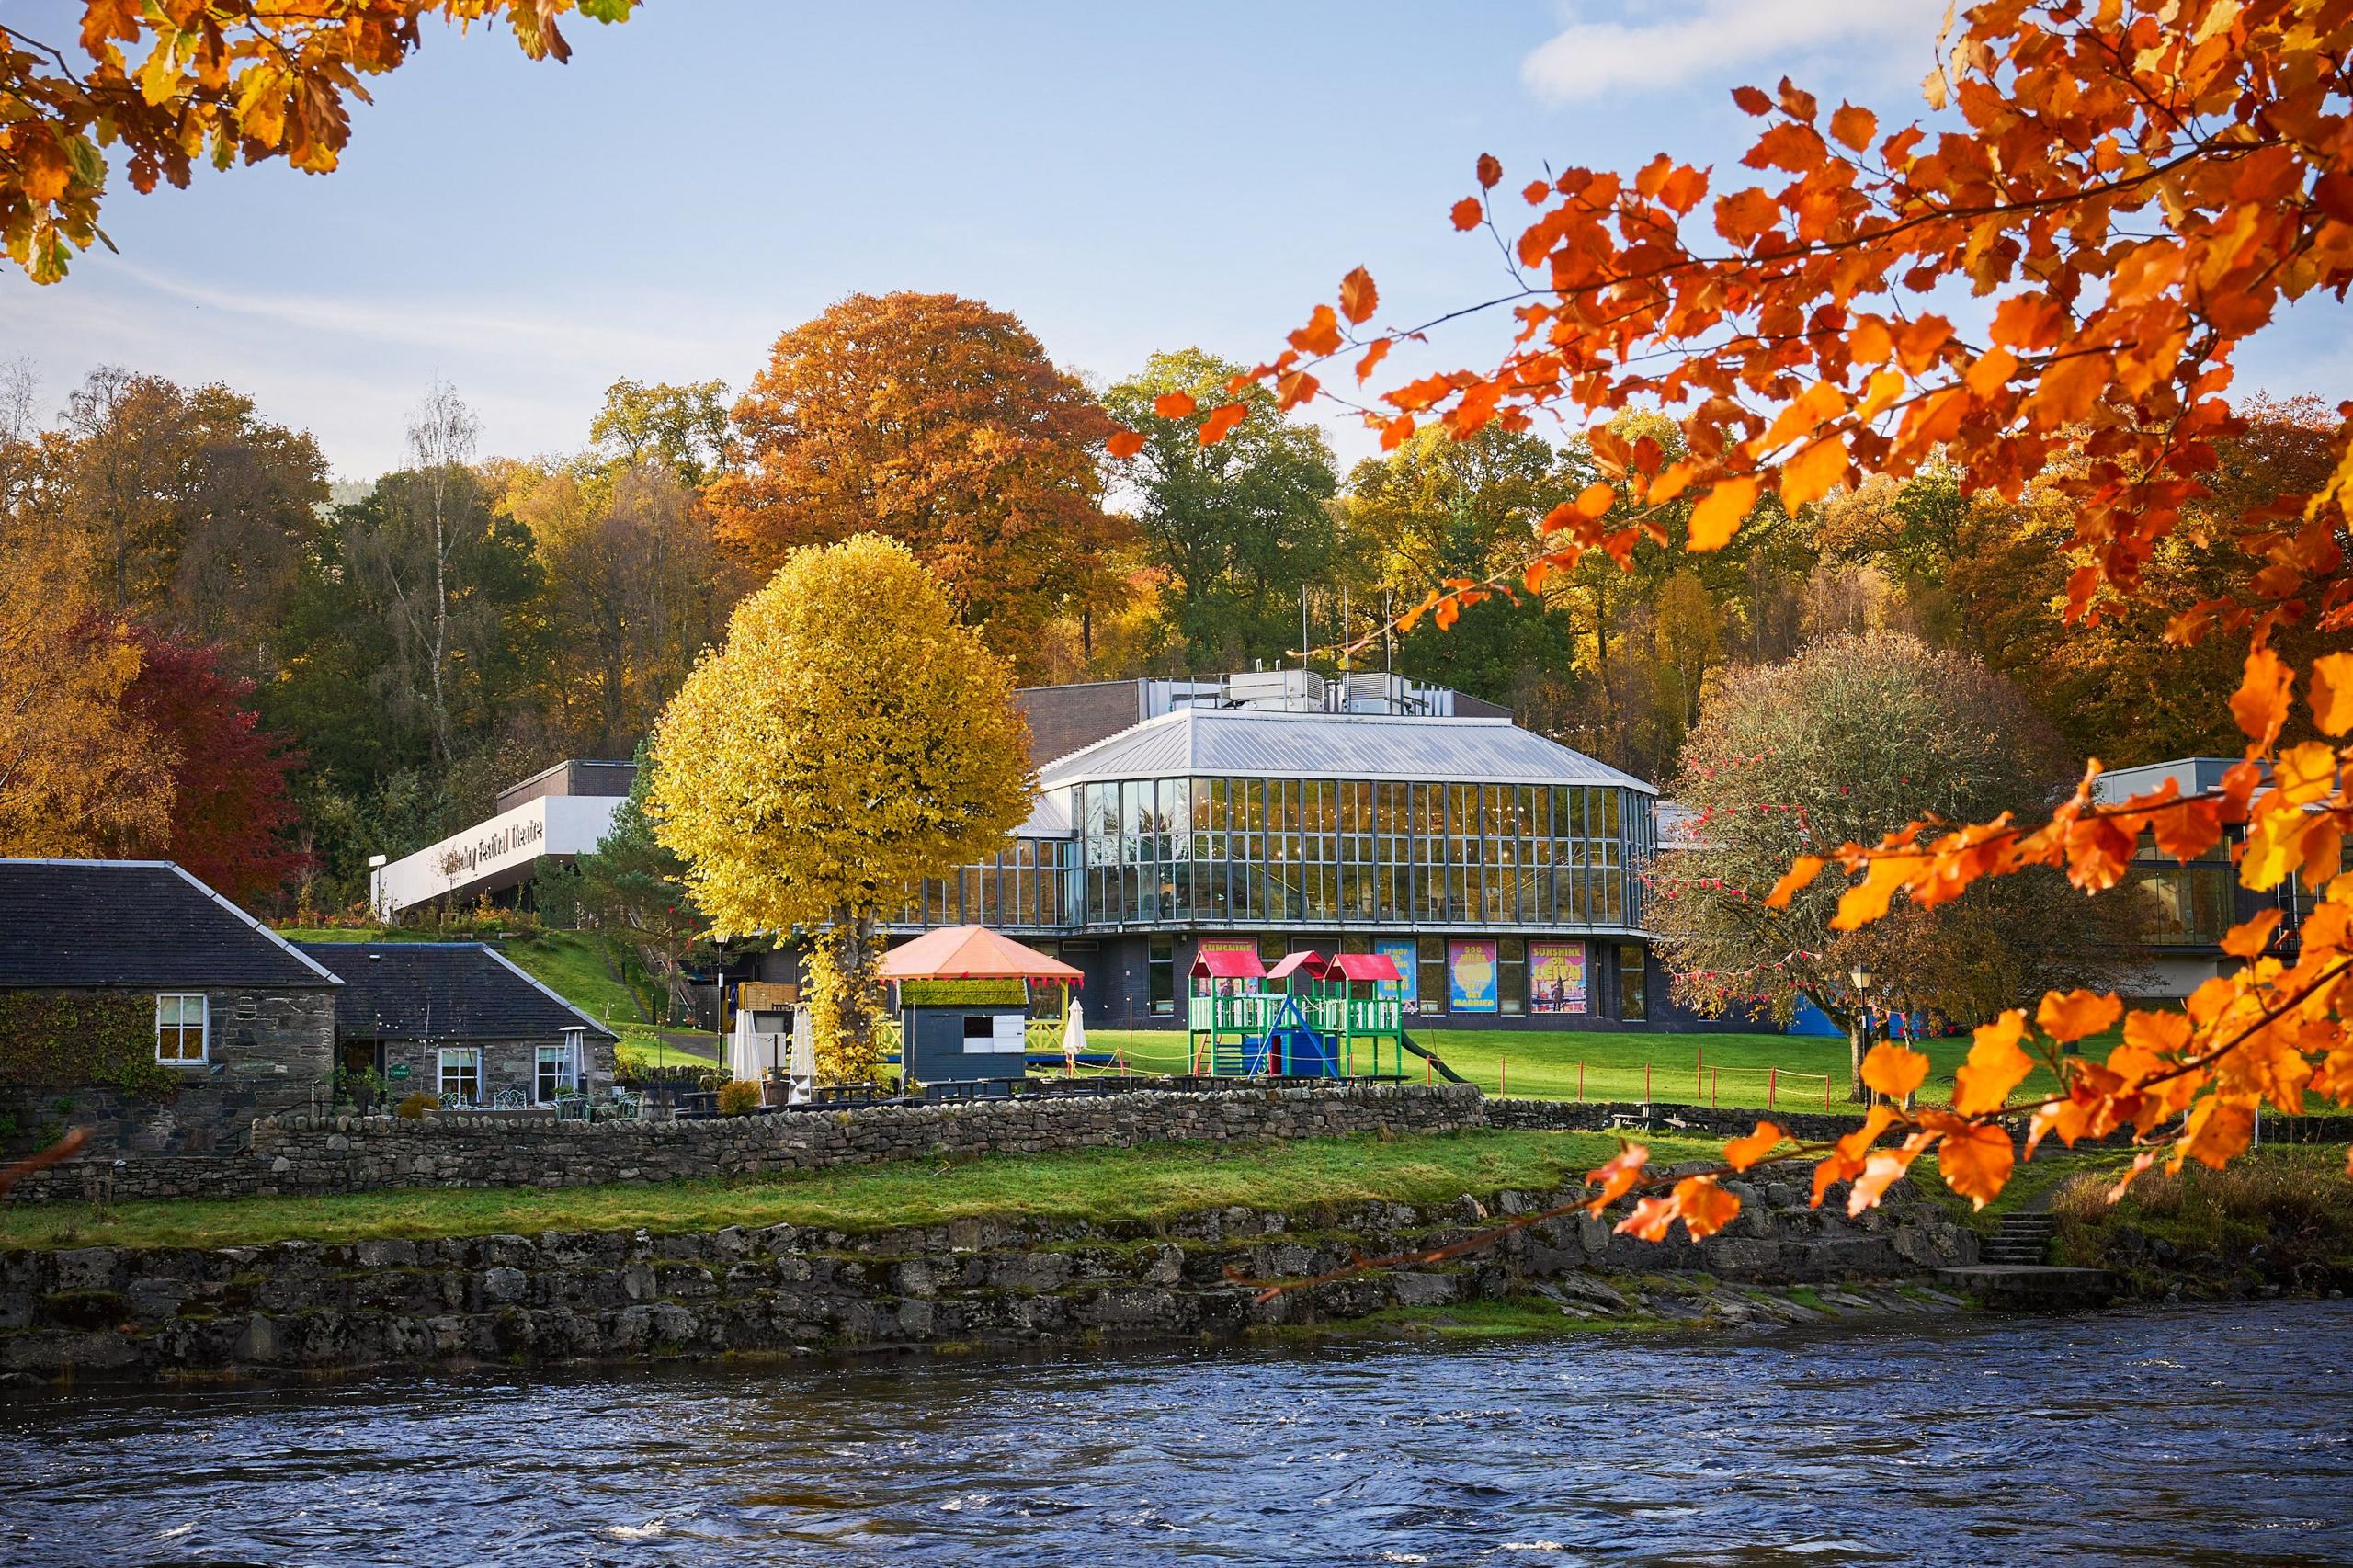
(182, 1029)
(558, 1068)
(461, 1073)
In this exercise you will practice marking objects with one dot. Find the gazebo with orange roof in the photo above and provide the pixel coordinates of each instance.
(974, 952)
(977, 1046)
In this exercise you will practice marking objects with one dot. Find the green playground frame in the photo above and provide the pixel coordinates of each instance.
(1317, 1025)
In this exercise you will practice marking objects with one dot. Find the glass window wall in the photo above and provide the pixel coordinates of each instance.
(1320, 852)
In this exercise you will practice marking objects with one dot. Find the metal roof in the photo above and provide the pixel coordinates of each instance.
(1240, 742)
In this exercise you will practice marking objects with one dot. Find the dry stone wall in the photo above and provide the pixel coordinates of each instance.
(624, 1295)
(302, 1154)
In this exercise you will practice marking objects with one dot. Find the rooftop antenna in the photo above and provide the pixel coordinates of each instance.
(1344, 631)
(1302, 628)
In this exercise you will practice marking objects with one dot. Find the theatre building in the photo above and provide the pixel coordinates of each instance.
(1282, 811)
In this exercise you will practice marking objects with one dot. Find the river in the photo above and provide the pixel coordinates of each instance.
(2196, 1436)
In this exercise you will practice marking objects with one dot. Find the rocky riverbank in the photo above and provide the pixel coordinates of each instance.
(619, 1296)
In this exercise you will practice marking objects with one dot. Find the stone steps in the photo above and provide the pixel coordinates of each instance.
(2020, 1239)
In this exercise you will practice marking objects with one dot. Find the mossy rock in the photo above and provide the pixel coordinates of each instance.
(87, 1309)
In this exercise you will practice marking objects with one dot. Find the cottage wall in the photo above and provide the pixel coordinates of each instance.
(271, 1051)
(505, 1065)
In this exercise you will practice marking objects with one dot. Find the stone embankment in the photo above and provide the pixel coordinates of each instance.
(623, 1295)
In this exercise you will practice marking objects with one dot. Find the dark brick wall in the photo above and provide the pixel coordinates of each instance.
(1065, 717)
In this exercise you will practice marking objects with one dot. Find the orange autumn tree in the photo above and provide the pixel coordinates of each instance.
(164, 83)
(939, 421)
(2105, 200)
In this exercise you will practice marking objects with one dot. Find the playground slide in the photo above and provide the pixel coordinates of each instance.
(1449, 1073)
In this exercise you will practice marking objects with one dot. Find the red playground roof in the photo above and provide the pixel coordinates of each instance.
(1290, 963)
(972, 952)
(1368, 966)
(1228, 963)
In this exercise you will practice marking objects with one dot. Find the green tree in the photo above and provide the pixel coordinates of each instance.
(634, 888)
(1439, 509)
(356, 689)
(1238, 528)
(1856, 736)
(849, 738)
(683, 427)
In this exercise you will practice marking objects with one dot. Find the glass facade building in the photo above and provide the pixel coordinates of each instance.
(1500, 870)
(1233, 850)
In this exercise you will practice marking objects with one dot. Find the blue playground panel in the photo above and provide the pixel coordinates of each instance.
(1810, 1019)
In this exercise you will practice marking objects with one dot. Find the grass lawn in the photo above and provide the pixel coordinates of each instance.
(1610, 1064)
(1144, 1183)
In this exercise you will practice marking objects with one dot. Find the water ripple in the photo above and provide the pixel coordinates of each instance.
(2209, 1436)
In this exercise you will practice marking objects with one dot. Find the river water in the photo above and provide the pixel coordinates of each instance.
(2196, 1436)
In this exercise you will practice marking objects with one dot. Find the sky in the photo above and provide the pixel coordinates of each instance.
(1124, 177)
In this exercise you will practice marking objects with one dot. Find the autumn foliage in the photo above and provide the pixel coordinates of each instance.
(848, 739)
(168, 84)
(231, 812)
(938, 422)
(2058, 263)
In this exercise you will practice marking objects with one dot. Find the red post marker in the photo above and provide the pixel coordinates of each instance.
(1772, 1075)
(1580, 1082)
(1646, 1082)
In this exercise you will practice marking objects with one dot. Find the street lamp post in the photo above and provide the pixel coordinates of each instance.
(1864, 980)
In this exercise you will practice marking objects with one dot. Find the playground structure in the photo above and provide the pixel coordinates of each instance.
(1309, 1028)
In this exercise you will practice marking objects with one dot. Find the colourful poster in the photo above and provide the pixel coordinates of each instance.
(1556, 977)
(1470, 977)
(1402, 954)
(1203, 985)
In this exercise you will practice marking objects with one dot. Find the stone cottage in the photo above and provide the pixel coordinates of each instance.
(140, 1004)
(460, 1019)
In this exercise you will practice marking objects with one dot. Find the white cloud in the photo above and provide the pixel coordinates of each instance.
(1672, 45)
(525, 328)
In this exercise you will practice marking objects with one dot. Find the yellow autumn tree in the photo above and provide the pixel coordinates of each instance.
(78, 774)
(849, 738)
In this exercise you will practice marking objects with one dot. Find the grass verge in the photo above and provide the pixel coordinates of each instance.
(1741, 1070)
(2280, 1215)
(1144, 1183)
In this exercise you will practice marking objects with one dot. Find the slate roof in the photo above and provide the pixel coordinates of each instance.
(441, 991)
(1245, 742)
(134, 922)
